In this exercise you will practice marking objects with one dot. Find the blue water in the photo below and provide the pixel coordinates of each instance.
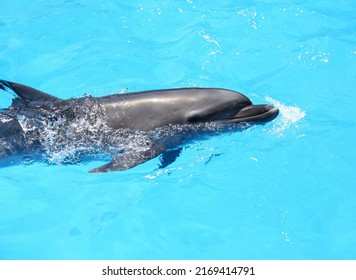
(286, 190)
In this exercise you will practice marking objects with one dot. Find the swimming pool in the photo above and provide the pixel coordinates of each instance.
(285, 190)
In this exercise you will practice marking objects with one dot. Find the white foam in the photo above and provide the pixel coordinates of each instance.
(289, 116)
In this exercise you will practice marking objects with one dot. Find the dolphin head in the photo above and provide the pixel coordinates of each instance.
(226, 106)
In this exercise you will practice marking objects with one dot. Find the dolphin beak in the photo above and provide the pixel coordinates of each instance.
(256, 113)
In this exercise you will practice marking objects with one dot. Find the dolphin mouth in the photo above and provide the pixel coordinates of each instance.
(255, 114)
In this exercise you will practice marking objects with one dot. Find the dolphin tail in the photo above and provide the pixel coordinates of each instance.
(27, 93)
(130, 159)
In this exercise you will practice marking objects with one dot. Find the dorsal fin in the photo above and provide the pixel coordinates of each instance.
(27, 93)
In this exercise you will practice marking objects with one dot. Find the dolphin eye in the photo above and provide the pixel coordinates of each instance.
(198, 116)
(194, 118)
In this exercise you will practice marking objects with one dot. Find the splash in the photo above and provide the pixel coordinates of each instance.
(289, 117)
(68, 138)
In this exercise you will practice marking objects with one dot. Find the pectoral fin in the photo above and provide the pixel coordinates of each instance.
(130, 159)
(168, 157)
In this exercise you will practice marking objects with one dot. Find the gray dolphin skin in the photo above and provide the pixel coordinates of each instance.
(132, 128)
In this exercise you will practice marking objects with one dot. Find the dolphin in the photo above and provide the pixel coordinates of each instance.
(132, 127)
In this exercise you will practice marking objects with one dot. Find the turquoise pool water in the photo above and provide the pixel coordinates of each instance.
(286, 190)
